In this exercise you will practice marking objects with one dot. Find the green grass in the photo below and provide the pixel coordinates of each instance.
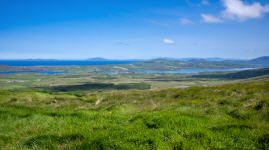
(231, 116)
(98, 82)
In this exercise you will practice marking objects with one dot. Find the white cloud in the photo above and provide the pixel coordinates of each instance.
(210, 19)
(168, 41)
(239, 10)
(205, 2)
(185, 21)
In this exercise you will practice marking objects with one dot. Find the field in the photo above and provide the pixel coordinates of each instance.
(91, 82)
(134, 111)
(156, 64)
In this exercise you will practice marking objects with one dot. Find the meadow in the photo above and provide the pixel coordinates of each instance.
(221, 110)
(228, 116)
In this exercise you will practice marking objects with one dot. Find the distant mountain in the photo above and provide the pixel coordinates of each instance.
(97, 59)
(220, 59)
(197, 59)
(104, 59)
(177, 59)
(261, 60)
(258, 62)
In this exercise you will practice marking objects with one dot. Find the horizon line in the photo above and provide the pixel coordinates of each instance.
(128, 59)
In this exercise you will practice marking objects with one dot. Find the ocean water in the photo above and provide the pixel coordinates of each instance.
(36, 72)
(59, 62)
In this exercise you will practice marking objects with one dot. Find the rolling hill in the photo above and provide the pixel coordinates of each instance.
(237, 75)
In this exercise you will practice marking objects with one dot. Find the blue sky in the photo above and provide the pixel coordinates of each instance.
(131, 29)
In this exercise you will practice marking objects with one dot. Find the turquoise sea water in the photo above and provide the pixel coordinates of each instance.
(60, 62)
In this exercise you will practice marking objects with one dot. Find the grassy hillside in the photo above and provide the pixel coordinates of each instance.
(231, 116)
(236, 75)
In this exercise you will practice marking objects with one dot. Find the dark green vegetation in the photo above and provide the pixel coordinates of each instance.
(231, 116)
(236, 75)
(70, 82)
(100, 86)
